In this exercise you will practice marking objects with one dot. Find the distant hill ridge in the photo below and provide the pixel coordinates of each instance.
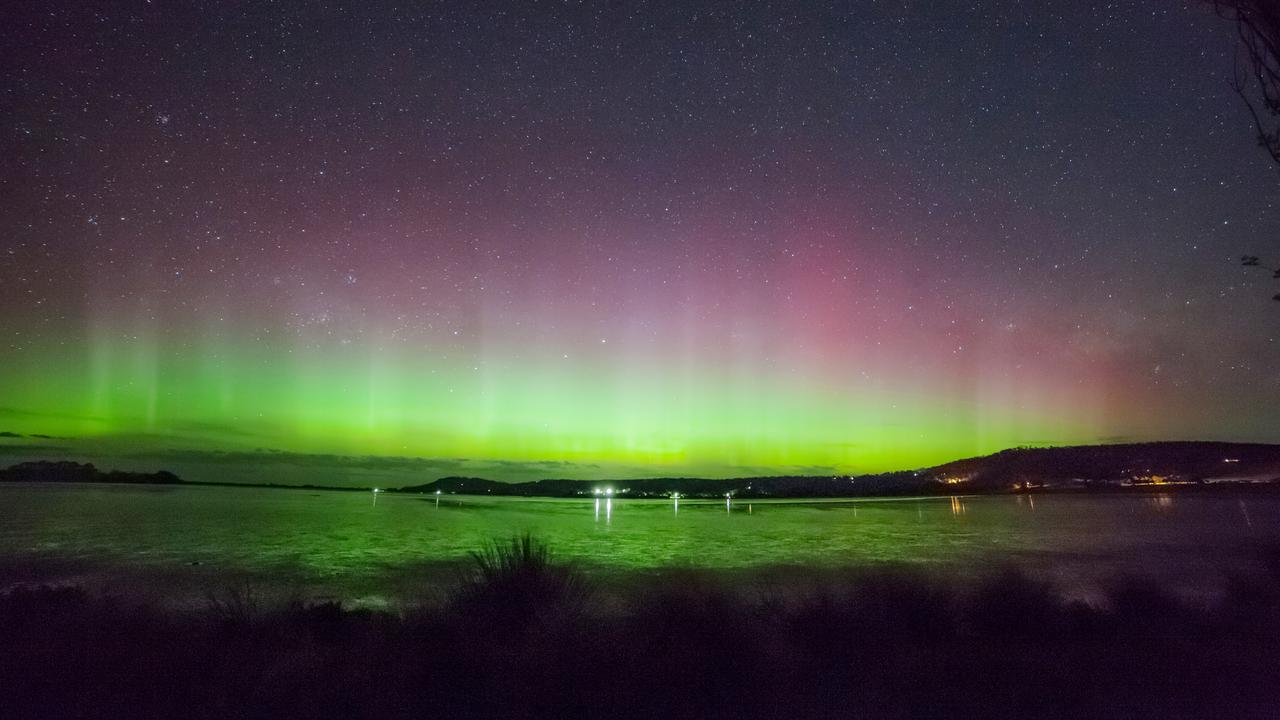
(1081, 467)
(1136, 463)
(1078, 467)
(74, 472)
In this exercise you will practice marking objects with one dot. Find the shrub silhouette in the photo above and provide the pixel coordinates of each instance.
(522, 636)
(518, 581)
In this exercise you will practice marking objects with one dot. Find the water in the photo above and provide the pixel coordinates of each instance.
(366, 548)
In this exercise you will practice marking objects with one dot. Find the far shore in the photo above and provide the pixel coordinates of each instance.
(1166, 467)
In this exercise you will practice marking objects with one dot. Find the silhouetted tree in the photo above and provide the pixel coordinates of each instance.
(1255, 261)
(1257, 69)
(1256, 77)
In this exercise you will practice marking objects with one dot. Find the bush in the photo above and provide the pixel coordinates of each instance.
(519, 582)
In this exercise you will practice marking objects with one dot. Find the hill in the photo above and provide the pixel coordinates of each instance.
(66, 471)
(1083, 467)
(1160, 463)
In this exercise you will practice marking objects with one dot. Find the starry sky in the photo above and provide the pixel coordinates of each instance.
(584, 239)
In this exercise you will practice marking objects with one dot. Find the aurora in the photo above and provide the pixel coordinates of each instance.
(665, 267)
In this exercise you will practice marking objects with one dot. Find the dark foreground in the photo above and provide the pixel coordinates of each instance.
(524, 637)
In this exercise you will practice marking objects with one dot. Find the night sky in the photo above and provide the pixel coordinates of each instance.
(544, 239)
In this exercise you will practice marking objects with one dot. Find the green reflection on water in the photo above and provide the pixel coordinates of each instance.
(358, 542)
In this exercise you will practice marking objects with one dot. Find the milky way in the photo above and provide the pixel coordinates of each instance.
(670, 237)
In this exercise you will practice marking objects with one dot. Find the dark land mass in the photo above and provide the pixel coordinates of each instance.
(522, 636)
(73, 472)
(1165, 465)
(65, 471)
(1086, 468)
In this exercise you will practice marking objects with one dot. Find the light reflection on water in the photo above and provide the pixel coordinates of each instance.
(343, 540)
(608, 510)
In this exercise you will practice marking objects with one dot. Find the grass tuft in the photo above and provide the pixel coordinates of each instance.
(519, 580)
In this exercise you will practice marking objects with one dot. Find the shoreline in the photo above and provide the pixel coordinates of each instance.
(1224, 486)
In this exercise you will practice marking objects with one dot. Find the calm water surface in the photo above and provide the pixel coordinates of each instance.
(356, 545)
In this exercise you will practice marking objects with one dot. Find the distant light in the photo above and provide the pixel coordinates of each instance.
(376, 490)
(437, 492)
